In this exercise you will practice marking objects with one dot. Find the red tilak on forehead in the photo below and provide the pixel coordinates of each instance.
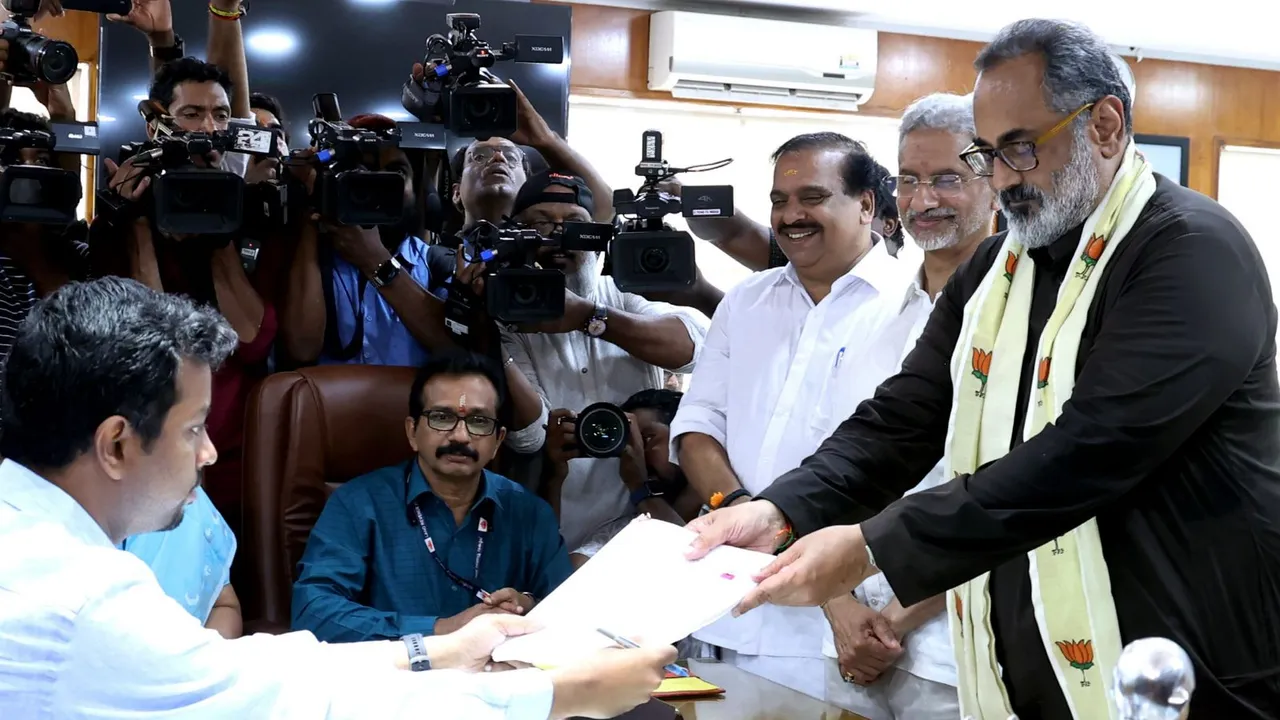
(462, 404)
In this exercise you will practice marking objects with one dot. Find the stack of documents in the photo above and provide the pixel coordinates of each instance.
(638, 586)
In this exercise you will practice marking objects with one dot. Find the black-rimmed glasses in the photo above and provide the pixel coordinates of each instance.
(1019, 155)
(447, 420)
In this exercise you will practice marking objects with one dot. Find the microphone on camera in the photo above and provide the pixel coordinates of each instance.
(1154, 680)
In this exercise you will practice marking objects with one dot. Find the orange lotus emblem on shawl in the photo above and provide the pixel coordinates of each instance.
(1042, 372)
(982, 369)
(1092, 253)
(1080, 654)
(1010, 266)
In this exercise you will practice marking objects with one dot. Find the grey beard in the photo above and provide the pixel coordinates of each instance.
(1076, 189)
(964, 226)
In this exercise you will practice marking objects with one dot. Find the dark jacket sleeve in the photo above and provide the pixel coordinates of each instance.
(1191, 322)
(893, 439)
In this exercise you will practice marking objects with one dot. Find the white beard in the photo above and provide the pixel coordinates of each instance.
(1076, 189)
(951, 235)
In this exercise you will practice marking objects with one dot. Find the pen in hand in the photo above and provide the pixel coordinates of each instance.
(672, 668)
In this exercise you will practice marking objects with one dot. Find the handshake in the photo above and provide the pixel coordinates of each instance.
(604, 685)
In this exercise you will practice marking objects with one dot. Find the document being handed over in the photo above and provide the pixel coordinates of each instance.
(638, 586)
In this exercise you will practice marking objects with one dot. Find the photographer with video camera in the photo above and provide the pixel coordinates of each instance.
(36, 258)
(189, 110)
(606, 345)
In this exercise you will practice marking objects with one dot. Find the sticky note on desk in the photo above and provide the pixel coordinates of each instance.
(678, 687)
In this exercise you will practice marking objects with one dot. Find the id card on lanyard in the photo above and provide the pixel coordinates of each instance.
(484, 524)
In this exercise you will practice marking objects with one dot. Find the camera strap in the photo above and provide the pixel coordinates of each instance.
(483, 526)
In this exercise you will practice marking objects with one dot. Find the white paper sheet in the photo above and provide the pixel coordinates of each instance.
(639, 586)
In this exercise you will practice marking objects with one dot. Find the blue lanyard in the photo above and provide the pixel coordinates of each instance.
(484, 524)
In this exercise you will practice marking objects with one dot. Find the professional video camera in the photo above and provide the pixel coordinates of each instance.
(33, 193)
(346, 192)
(34, 57)
(516, 291)
(648, 255)
(460, 91)
(189, 199)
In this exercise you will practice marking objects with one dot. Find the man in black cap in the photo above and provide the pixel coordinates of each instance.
(607, 346)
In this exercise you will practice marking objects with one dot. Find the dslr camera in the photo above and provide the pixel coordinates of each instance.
(193, 200)
(516, 290)
(36, 194)
(459, 90)
(346, 192)
(602, 430)
(649, 255)
(36, 58)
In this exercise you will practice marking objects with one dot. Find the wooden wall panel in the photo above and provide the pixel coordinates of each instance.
(1206, 103)
(78, 28)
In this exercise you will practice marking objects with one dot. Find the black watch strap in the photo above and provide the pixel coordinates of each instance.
(418, 660)
(388, 271)
(173, 52)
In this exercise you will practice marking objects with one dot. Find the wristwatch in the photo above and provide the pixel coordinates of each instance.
(871, 558)
(387, 271)
(418, 660)
(649, 490)
(598, 323)
(173, 52)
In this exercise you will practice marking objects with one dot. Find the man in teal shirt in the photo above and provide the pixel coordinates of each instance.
(425, 546)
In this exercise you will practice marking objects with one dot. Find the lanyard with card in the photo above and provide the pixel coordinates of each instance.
(484, 524)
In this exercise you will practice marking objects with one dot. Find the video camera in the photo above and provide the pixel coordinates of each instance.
(460, 91)
(516, 290)
(648, 255)
(33, 193)
(34, 57)
(346, 192)
(191, 199)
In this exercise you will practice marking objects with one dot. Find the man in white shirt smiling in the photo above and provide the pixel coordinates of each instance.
(788, 352)
(107, 392)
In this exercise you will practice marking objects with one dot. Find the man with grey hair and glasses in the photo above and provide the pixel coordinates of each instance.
(1100, 383)
(893, 662)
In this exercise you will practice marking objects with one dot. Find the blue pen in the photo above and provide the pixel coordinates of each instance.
(839, 357)
(673, 668)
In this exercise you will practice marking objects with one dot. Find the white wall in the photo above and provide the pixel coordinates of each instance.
(1246, 188)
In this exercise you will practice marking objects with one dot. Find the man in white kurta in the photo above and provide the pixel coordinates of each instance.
(786, 348)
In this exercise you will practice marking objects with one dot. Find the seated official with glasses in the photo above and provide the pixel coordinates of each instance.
(426, 545)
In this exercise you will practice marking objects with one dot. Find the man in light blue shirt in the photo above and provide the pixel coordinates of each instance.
(368, 296)
(192, 562)
(107, 390)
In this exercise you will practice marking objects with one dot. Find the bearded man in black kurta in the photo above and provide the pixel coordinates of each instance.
(1102, 382)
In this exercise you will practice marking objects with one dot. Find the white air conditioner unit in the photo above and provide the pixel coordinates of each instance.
(767, 62)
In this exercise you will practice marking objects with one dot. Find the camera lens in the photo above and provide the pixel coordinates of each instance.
(479, 108)
(602, 431)
(524, 295)
(654, 260)
(53, 61)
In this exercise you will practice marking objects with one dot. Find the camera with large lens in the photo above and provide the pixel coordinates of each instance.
(191, 199)
(34, 193)
(516, 289)
(346, 191)
(36, 58)
(460, 91)
(602, 430)
(648, 255)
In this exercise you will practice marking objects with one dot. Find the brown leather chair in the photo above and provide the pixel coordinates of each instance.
(307, 432)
